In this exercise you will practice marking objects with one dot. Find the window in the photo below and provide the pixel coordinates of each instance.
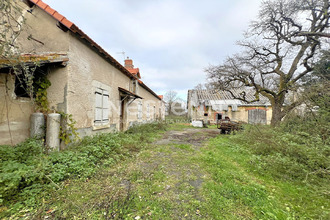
(135, 86)
(139, 115)
(219, 116)
(101, 107)
(154, 112)
(148, 112)
(21, 88)
(24, 84)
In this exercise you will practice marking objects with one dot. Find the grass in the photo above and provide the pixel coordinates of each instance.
(29, 176)
(192, 176)
(240, 194)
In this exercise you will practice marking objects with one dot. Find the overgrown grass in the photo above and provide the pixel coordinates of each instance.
(260, 173)
(28, 174)
(249, 188)
(295, 156)
(295, 164)
(178, 181)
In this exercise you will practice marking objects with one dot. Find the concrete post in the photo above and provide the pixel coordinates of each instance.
(53, 131)
(37, 128)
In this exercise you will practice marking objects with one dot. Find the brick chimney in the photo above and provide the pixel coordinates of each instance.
(130, 67)
(129, 63)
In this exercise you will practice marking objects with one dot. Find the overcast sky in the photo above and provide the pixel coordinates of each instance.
(171, 41)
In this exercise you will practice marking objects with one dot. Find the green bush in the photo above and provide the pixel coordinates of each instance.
(19, 167)
(293, 156)
(26, 170)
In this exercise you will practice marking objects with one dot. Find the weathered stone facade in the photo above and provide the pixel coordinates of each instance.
(207, 104)
(85, 85)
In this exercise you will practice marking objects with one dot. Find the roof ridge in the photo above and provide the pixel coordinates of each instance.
(75, 29)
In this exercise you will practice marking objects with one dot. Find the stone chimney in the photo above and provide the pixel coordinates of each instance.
(129, 63)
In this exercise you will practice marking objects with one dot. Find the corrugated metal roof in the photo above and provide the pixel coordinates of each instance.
(218, 96)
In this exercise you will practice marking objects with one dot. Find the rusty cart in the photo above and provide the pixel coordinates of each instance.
(226, 126)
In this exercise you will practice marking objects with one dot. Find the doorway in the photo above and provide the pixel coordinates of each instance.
(122, 114)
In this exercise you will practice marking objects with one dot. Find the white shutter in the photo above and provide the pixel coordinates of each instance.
(98, 106)
(98, 100)
(148, 113)
(234, 108)
(105, 115)
(140, 110)
(98, 114)
(105, 106)
(101, 106)
(105, 101)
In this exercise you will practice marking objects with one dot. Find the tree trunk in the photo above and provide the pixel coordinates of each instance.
(277, 114)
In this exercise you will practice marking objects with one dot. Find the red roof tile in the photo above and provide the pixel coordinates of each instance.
(53, 13)
(58, 16)
(40, 3)
(49, 10)
(135, 71)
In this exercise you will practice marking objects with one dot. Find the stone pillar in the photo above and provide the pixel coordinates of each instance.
(53, 131)
(37, 128)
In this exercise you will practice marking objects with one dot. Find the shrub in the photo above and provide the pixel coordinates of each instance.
(292, 156)
(25, 170)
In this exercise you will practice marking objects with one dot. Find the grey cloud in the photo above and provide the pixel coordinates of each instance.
(171, 41)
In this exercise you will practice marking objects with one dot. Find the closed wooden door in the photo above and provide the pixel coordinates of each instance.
(257, 116)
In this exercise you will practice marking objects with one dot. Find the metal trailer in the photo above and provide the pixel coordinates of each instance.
(226, 126)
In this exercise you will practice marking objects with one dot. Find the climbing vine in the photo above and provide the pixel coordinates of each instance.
(68, 130)
(40, 88)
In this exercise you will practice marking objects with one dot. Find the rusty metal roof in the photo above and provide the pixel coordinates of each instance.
(205, 96)
(129, 93)
(42, 58)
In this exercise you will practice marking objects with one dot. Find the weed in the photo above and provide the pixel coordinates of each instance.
(286, 155)
(27, 172)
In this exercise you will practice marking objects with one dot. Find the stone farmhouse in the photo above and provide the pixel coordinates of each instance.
(212, 105)
(86, 82)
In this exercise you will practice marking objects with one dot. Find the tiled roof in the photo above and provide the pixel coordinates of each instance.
(53, 13)
(72, 27)
(205, 96)
(135, 72)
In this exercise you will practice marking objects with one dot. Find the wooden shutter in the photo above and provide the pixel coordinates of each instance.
(105, 107)
(102, 107)
(257, 116)
(98, 106)
(140, 110)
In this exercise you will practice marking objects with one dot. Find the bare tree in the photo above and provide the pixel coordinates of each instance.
(170, 98)
(200, 86)
(12, 24)
(280, 48)
(11, 21)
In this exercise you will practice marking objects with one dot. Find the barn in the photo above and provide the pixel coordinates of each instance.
(211, 105)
